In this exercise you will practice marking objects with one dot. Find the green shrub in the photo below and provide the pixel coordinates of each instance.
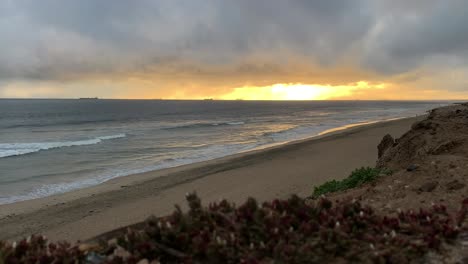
(357, 178)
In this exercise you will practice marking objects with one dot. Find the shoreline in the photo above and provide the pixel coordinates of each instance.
(60, 215)
(265, 147)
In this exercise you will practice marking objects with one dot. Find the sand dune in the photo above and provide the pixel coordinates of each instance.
(429, 164)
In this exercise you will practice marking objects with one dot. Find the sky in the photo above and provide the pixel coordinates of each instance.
(242, 49)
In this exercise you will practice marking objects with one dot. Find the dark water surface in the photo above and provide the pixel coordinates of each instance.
(54, 146)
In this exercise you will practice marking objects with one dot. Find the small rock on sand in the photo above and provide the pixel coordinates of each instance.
(412, 167)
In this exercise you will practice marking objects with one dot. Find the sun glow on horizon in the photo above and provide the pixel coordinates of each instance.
(297, 91)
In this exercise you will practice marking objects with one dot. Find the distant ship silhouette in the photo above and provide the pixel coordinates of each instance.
(88, 98)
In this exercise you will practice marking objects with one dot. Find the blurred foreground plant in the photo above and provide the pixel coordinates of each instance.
(279, 231)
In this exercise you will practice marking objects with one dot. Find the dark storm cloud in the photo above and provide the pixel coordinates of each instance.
(53, 39)
(79, 39)
(427, 33)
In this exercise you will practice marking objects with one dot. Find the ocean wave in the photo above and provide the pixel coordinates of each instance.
(202, 125)
(77, 122)
(50, 189)
(235, 123)
(298, 132)
(45, 190)
(17, 149)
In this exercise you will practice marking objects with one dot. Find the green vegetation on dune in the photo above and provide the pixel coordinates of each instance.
(357, 178)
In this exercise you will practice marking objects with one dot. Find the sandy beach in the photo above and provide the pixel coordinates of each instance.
(280, 171)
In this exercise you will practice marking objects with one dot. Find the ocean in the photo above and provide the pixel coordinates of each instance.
(54, 146)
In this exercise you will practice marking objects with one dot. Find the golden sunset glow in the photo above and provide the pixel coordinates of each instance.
(199, 51)
(298, 91)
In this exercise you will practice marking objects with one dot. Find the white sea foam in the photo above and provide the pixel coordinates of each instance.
(51, 189)
(235, 123)
(205, 125)
(16, 149)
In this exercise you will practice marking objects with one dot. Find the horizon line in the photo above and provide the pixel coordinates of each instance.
(214, 99)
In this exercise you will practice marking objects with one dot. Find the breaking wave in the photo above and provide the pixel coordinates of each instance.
(17, 149)
(206, 125)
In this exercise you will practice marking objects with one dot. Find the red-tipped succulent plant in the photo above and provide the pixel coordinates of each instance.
(280, 231)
